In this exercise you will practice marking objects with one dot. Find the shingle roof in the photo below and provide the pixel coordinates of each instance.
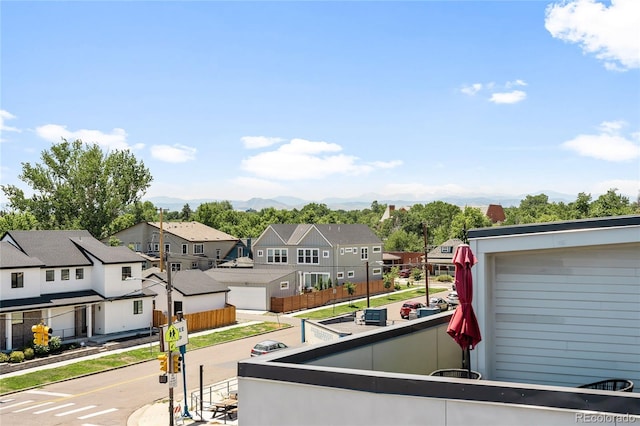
(193, 231)
(107, 254)
(336, 234)
(11, 257)
(50, 301)
(190, 282)
(54, 248)
(254, 276)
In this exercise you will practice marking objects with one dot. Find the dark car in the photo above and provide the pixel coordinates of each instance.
(410, 307)
(266, 347)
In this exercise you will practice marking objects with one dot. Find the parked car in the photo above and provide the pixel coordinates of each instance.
(410, 307)
(452, 298)
(404, 273)
(267, 346)
(442, 304)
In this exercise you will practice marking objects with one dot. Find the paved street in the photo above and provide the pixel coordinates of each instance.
(110, 398)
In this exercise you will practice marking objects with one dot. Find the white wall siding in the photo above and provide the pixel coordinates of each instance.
(566, 316)
(249, 298)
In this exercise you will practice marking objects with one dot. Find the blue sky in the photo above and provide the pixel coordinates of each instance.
(388, 100)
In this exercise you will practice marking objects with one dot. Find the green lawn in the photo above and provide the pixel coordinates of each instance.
(81, 368)
(361, 304)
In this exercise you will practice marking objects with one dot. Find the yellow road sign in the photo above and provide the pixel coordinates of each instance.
(172, 334)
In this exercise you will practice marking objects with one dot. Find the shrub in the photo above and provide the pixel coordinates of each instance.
(444, 278)
(16, 356)
(41, 350)
(28, 353)
(55, 344)
(397, 286)
(4, 357)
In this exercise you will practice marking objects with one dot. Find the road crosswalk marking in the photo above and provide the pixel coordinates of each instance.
(17, 404)
(110, 410)
(39, 392)
(54, 408)
(32, 407)
(88, 407)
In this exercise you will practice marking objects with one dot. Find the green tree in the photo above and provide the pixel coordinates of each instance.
(78, 186)
(611, 204)
(17, 221)
(351, 289)
(469, 218)
(186, 213)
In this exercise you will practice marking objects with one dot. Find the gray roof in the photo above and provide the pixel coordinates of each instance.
(68, 248)
(50, 301)
(190, 282)
(336, 234)
(11, 257)
(436, 253)
(54, 248)
(242, 275)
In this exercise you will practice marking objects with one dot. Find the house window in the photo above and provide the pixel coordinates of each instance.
(185, 249)
(217, 254)
(126, 272)
(260, 253)
(50, 275)
(177, 306)
(351, 274)
(325, 254)
(240, 252)
(277, 256)
(364, 253)
(156, 247)
(376, 249)
(175, 267)
(199, 249)
(284, 285)
(309, 256)
(137, 307)
(17, 279)
(341, 250)
(340, 275)
(446, 249)
(316, 279)
(348, 250)
(194, 265)
(355, 250)
(64, 275)
(79, 273)
(17, 317)
(167, 248)
(377, 271)
(138, 246)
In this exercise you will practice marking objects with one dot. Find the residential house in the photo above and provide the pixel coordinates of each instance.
(320, 252)
(558, 308)
(190, 245)
(440, 258)
(71, 282)
(253, 288)
(193, 291)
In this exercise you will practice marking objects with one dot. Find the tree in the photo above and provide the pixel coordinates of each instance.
(351, 289)
(77, 186)
(17, 221)
(186, 213)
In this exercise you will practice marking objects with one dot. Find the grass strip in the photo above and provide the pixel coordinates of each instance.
(122, 359)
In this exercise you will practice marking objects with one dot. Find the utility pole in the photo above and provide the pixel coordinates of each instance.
(367, 266)
(161, 244)
(426, 262)
(170, 365)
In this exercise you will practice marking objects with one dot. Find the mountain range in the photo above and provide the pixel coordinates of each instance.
(359, 203)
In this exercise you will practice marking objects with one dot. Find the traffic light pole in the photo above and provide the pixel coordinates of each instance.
(170, 365)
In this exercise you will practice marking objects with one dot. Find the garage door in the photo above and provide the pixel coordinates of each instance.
(254, 298)
(554, 321)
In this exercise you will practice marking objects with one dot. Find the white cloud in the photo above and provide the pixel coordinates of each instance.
(117, 139)
(608, 145)
(252, 142)
(508, 97)
(514, 83)
(301, 159)
(173, 154)
(629, 188)
(4, 116)
(610, 33)
(471, 90)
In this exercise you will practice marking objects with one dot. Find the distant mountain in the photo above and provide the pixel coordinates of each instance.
(358, 203)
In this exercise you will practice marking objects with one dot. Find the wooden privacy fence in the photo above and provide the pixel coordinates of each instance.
(201, 320)
(324, 297)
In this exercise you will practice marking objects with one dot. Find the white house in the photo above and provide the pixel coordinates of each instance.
(71, 282)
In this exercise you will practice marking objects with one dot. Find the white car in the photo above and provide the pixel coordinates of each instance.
(452, 298)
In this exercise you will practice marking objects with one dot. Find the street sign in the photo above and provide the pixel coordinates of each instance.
(173, 380)
(172, 334)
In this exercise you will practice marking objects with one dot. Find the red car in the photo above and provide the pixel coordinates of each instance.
(409, 307)
(405, 273)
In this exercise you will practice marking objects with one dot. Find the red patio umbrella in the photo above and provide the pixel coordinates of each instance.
(463, 326)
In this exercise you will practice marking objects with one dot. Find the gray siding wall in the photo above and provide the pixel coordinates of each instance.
(567, 315)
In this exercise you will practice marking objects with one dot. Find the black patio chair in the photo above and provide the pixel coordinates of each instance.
(621, 385)
(457, 372)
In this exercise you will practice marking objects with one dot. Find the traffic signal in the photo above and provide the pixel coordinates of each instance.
(176, 363)
(38, 335)
(46, 334)
(163, 362)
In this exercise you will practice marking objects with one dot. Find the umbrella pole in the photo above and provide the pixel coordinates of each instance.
(468, 362)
